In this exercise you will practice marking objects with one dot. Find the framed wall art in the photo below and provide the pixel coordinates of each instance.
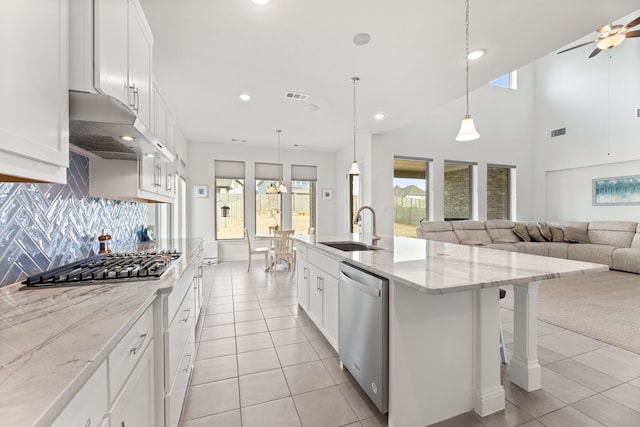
(201, 191)
(327, 194)
(620, 190)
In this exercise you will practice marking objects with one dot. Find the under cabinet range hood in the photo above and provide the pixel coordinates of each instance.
(102, 125)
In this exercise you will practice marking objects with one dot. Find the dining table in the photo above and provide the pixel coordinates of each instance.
(271, 238)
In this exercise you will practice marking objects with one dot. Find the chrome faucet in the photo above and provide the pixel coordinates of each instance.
(374, 240)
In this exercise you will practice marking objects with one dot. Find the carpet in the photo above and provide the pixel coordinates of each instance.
(604, 306)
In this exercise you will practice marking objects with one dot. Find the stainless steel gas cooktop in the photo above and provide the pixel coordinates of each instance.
(107, 267)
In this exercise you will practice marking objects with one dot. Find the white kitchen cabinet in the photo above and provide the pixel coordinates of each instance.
(136, 404)
(323, 294)
(127, 180)
(163, 122)
(302, 277)
(34, 114)
(89, 405)
(123, 47)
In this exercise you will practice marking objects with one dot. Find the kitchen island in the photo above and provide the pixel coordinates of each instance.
(53, 340)
(444, 317)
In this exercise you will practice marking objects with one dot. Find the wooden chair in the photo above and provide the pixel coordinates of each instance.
(282, 248)
(255, 251)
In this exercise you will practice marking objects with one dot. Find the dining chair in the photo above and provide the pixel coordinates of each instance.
(255, 251)
(282, 248)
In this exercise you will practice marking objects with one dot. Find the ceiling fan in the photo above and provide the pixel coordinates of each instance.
(610, 36)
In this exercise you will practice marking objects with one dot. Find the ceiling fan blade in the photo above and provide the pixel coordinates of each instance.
(630, 34)
(576, 46)
(595, 52)
(633, 23)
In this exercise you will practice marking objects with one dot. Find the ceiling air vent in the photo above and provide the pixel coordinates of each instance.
(558, 132)
(296, 95)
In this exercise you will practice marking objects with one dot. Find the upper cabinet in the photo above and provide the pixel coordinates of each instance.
(34, 85)
(123, 47)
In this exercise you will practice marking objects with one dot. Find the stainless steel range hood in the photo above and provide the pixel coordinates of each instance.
(98, 122)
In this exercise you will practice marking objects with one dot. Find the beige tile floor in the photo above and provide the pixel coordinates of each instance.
(261, 362)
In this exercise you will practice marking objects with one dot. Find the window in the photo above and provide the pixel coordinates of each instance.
(354, 199)
(303, 198)
(458, 190)
(229, 207)
(499, 191)
(268, 205)
(410, 195)
(507, 81)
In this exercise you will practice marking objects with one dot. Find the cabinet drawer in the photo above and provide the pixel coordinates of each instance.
(124, 357)
(324, 262)
(301, 250)
(175, 398)
(89, 405)
(180, 289)
(181, 329)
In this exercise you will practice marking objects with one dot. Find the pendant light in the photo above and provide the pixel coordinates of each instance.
(468, 130)
(355, 170)
(281, 188)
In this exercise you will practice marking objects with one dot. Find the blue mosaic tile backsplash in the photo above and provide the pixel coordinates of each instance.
(43, 226)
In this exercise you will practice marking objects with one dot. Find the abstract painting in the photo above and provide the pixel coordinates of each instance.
(621, 190)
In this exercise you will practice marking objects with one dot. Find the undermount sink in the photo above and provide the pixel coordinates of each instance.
(351, 246)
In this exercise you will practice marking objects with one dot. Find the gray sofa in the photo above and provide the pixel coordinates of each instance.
(614, 243)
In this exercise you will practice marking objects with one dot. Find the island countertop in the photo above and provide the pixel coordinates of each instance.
(53, 339)
(437, 267)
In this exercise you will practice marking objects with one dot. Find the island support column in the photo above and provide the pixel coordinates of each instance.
(524, 369)
(488, 393)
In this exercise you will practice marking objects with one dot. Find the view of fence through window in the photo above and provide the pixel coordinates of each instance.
(268, 208)
(410, 195)
(229, 208)
(303, 201)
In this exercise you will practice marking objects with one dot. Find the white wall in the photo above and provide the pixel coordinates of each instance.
(597, 100)
(504, 119)
(201, 171)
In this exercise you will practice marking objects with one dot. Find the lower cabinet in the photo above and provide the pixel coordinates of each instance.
(302, 281)
(135, 406)
(90, 404)
(323, 294)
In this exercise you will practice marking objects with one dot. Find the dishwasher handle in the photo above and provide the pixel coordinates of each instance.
(374, 292)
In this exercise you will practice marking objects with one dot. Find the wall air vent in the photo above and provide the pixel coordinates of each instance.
(558, 132)
(296, 95)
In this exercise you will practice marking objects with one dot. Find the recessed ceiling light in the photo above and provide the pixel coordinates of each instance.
(245, 96)
(379, 116)
(476, 54)
(361, 38)
(127, 138)
(261, 2)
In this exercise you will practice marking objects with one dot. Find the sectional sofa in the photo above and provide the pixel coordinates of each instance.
(614, 243)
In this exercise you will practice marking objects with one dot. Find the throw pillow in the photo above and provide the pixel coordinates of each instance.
(575, 235)
(534, 233)
(521, 231)
(545, 230)
(556, 234)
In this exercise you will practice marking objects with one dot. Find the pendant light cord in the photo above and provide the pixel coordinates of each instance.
(354, 79)
(466, 57)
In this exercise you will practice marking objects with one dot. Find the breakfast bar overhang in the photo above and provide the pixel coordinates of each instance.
(444, 322)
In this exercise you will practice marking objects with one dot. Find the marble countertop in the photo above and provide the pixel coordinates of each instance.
(437, 267)
(53, 339)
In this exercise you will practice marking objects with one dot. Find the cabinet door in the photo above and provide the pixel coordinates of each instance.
(140, 54)
(302, 277)
(330, 308)
(315, 295)
(89, 405)
(111, 49)
(149, 174)
(136, 405)
(167, 179)
(34, 89)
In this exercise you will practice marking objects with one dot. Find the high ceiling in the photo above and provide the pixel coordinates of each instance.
(208, 52)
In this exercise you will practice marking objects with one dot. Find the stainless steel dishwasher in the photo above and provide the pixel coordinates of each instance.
(363, 341)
